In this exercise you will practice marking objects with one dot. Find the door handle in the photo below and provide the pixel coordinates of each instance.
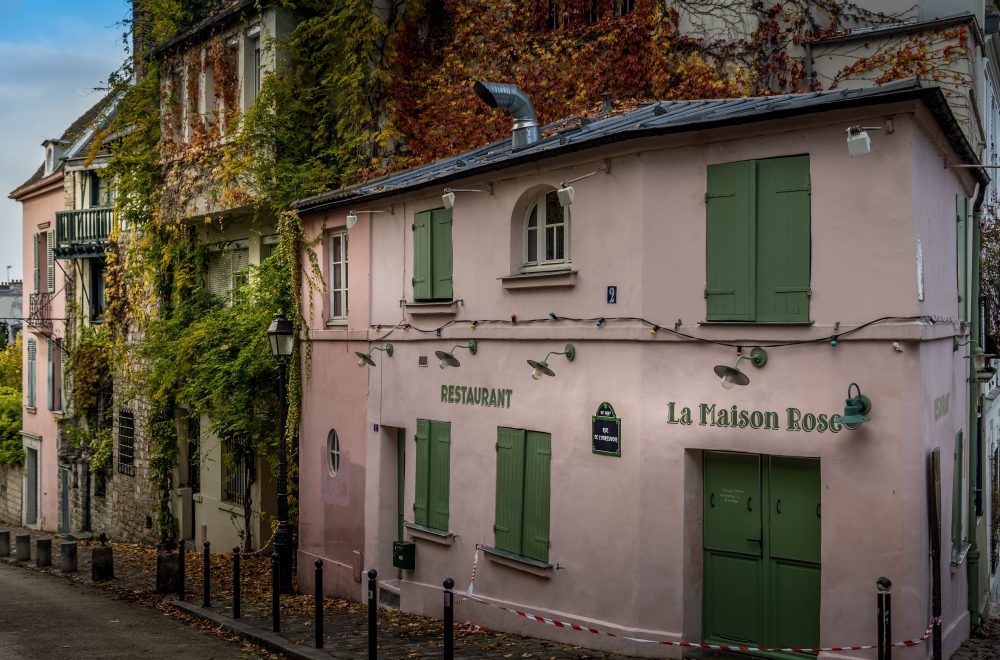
(757, 541)
(778, 505)
(817, 509)
(749, 500)
(711, 500)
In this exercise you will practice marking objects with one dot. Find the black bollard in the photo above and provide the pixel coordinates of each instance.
(236, 582)
(180, 570)
(207, 577)
(275, 593)
(319, 603)
(372, 612)
(884, 609)
(449, 619)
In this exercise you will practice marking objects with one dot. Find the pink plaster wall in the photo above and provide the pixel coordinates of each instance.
(335, 393)
(38, 209)
(626, 532)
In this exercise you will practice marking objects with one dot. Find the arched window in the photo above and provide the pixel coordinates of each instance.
(546, 232)
(333, 453)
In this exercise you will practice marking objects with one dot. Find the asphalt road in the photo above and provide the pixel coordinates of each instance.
(45, 617)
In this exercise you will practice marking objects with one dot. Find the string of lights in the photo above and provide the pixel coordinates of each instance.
(654, 328)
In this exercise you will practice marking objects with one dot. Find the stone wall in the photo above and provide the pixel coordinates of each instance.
(10, 493)
(127, 512)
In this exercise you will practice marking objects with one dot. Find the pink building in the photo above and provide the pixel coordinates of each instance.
(585, 292)
(41, 197)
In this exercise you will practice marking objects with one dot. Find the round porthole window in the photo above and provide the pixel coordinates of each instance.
(333, 453)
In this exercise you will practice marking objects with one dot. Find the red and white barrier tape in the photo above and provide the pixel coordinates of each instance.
(697, 645)
(475, 564)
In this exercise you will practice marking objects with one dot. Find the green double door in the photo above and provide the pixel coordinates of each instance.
(762, 550)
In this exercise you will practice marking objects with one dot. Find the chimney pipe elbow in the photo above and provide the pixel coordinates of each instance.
(513, 100)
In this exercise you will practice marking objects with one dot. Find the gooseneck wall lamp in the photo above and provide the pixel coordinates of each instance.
(541, 367)
(732, 376)
(448, 359)
(448, 198)
(566, 192)
(856, 409)
(352, 217)
(365, 359)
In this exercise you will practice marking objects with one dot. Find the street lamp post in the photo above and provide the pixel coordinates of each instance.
(281, 335)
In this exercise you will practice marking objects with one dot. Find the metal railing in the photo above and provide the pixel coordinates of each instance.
(84, 227)
(40, 310)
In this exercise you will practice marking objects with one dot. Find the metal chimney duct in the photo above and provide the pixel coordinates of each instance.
(516, 102)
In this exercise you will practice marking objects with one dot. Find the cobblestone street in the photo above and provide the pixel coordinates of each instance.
(400, 635)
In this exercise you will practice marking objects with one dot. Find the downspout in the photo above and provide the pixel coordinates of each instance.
(974, 446)
(809, 67)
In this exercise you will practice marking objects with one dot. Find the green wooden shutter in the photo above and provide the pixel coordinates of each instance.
(962, 261)
(537, 470)
(783, 240)
(956, 495)
(31, 371)
(420, 504)
(51, 391)
(35, 262)
(50, 259)
(422, 282)
(441, 254)
(510, 489)
(729, 241)
(440, 477)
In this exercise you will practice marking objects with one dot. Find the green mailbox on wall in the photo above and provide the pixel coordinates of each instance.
(403, 554)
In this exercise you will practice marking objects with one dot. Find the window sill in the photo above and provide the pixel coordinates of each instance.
(449, 308)
(231, 507)
(958, 558)
(336, 323)
(419, 532)
(518, 562)
(538, 279)
(30, 410)
(757, 323)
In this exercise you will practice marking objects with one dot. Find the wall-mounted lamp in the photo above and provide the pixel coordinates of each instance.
(856, 409)
(352, 217)
(449, 194)
(448, 359)
(365, 359)
(858, 141)
(979, 358)
(566, 192)
(732, 376)
(541, 367)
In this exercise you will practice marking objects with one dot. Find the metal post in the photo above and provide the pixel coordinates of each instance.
(449, 619)
(207, 578)
(319, 603)
(180, 570)
(283, 535)
(372, 611)
(275, 594)
(884, 608)
(236, 582)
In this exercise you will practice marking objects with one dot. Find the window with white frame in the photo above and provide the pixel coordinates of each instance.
(337, 283)
(333, 453)
(227, 270)
(252, 63)
(546, 233)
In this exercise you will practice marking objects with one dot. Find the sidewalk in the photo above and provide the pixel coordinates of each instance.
(400, 635)
(985, 644)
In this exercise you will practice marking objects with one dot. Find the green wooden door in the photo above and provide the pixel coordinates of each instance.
(762, 550)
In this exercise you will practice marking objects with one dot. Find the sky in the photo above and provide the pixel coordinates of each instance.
(55, 55)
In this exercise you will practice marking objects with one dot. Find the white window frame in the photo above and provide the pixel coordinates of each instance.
(333, 452)
(342, 266)
(253, 65)
(541, 230)
(236, 276)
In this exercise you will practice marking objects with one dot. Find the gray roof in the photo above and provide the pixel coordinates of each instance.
(650, 119)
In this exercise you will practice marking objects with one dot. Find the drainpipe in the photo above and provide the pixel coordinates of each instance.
(809, 67)
(974, 448)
